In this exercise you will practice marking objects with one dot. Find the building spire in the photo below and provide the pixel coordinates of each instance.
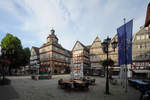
(52, 31)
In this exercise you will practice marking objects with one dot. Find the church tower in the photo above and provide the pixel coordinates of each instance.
(52, 37)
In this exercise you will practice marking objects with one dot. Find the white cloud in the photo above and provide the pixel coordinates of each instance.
(72, 19)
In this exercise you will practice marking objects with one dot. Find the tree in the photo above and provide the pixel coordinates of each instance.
(26, 54)
(14, 50)
(110, 63)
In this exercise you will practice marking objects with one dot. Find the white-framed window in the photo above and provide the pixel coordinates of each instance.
(142, 37)
(138, 37)
(147, 36)
(138, 46)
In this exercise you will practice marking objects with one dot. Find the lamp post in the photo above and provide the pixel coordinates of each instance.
(105, 46)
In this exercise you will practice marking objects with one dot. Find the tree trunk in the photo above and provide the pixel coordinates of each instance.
(10, 67)
(3, 72)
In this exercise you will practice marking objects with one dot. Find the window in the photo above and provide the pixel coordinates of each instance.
(43, 50)
(56, 56)
(146, 36)
(138, 46)
(142, 37)
(138, 37)
(141, 46)
(145, 45)
(148, 54)
(143, 56)
(66, 59)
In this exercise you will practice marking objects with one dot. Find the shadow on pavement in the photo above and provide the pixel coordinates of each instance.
(7, 92)
(5, 82)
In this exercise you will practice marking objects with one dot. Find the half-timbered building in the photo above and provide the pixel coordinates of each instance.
(54, 56)
(80, 56)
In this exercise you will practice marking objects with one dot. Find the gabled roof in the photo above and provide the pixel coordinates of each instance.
(97, 39)
(81, 45)
(36, 49)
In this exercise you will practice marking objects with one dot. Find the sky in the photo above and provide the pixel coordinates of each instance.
(72, 20)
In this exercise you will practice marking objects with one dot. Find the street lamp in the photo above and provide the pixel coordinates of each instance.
(105, 46)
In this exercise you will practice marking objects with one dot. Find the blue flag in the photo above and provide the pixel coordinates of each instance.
(125, 43)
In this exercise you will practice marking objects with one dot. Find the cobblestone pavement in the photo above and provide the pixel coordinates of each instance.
(27, 89)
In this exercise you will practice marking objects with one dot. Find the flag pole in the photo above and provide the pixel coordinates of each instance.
(125, 56)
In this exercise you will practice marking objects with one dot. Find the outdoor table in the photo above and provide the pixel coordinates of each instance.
(67, 83)
(91, 80)
(79, 84)
(76, 84)
(79, 81)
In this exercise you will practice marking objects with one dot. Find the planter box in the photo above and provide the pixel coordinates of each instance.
(41, 76)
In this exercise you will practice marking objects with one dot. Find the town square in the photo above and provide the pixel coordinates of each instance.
(27, 89)
(74, 50)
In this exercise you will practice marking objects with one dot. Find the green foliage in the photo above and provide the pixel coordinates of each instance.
(11, 43)
(15, 53)
(27, 54)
